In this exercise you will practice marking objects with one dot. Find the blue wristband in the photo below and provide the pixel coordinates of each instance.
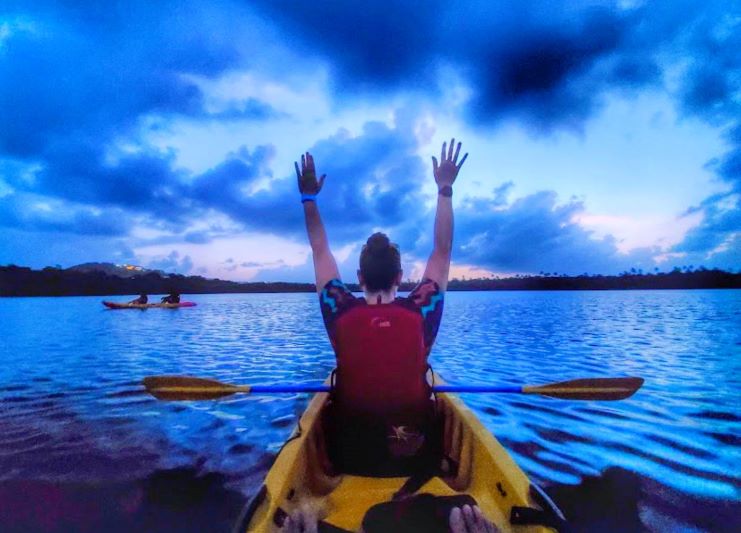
(308, 198)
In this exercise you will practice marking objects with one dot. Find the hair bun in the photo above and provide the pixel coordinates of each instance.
(377, 242)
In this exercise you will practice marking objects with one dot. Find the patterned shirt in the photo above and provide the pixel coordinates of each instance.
(426, 299)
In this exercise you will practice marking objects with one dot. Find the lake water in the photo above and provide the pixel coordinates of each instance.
(81, 449)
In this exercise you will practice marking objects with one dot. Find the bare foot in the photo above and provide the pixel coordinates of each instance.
(302, 520)
(470, 520)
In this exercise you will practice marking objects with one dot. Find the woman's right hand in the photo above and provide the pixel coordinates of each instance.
(307, 182)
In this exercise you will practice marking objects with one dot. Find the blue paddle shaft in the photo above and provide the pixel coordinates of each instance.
(289, 388)
(477, 388)
(437, 388)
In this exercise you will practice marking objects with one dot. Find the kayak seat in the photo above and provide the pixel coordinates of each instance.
(359, 446)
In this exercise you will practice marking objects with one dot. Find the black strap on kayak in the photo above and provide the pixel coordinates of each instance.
(245, 517)
(412, 485)
(527, 516)
(447, 468)
(432, 380)
(549, 516)
(418, 480)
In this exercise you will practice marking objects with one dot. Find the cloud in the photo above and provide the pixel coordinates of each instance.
(291, 273)
(711, 92)
(715, 242)
(374, 179)
(83, 80)
(536, 233)
(172, 263)
(90, 73)
(38, 249)
(545, 63)
(197, 237)
(249, 109)
(86, 84)
(34, 213)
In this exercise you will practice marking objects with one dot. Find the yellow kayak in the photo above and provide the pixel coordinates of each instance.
(477, 466)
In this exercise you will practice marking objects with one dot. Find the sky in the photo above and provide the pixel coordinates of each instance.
(602, 136)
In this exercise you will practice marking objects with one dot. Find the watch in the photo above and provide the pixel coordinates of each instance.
(446, 191)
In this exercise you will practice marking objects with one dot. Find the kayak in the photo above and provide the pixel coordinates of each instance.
(114, 305)
(476, 466)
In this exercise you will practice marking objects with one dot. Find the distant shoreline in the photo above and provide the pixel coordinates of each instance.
(23, 281)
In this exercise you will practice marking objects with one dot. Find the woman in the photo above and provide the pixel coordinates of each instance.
(383, 415)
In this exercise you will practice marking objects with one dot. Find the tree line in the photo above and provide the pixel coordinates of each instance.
(52, 281)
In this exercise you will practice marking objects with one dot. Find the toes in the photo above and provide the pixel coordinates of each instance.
(455, 521)
(468, 516)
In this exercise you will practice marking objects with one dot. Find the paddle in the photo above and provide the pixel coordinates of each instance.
(187, 388)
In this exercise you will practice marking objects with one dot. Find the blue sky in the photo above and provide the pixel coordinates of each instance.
(602, 135)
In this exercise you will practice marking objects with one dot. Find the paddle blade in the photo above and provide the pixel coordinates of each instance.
(187, 388)
(589, 389)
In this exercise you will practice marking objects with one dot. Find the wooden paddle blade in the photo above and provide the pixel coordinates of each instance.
(187, 388)
(589, 389)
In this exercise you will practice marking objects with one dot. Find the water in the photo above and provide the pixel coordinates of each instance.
(81, 449)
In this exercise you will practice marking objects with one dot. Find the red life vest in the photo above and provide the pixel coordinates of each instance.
(381, 364)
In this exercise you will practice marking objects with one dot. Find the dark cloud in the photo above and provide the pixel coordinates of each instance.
(542, 62)
(32, 213)
(728, 166)
(145, 181)
(373, 179)
(373, 46)
(552, 73)
(76, 79)
(711, 89)
(714, 242)
(82, 71)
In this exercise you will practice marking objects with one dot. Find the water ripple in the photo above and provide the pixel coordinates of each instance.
(72, 408)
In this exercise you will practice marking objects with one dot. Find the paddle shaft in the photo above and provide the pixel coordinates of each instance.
(513, 389)
(185, 388)
(436, 388)
(281, 389)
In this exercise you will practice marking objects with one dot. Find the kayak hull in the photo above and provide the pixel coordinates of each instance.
(115, 305)
(302, 472)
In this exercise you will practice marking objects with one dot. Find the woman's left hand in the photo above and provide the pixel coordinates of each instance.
(307, 182)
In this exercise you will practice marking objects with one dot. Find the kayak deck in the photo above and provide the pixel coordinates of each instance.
(480, 468)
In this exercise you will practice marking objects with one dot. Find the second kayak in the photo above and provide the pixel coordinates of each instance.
(115, 305)
(476, 469)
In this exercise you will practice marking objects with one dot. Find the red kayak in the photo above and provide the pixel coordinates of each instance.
(114, 305)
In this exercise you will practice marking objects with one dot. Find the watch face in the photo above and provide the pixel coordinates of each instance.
(446, 191)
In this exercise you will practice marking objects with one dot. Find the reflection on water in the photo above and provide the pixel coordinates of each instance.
(180, 499)
(77, 435)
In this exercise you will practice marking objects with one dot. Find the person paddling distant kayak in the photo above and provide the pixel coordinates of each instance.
(383, 417)
(141, 300)
(172, 298)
